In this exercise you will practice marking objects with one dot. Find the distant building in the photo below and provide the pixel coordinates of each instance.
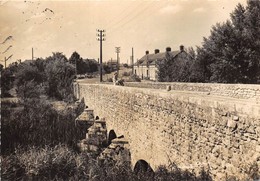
(145, 68)
(112, 64)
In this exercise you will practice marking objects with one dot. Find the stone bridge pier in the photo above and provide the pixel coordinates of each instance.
(194, 129)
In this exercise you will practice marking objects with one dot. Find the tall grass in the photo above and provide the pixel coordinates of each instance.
(62, 163)
(37, 124)
(47, 163)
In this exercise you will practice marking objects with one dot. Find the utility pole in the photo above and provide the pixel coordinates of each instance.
(100, 38)
(76, 68)
(132, 60)
(7, 59)
(117, 52)
(32, 53)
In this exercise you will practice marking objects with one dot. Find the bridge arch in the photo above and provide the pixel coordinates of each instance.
(111, 136)
(143, 168)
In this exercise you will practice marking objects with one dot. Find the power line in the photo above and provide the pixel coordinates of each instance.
(123, 18)
(130, 17)
(139, 13)
(101, 38)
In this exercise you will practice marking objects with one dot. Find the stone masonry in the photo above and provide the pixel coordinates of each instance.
(195, 130)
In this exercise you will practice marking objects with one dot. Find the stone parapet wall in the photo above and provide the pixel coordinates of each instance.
(242, 91)
(193, 130)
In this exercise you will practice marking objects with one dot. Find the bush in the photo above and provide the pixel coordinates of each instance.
(146, 78)
(46, 163)
(110, 80)
(134, 78)
(60, 75)
(126, 74)
(37, 124)
(6, 82)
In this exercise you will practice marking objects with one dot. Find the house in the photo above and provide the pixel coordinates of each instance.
(145, 68)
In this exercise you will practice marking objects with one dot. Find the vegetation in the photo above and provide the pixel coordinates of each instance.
(106, 68)
(39, 142)
(134, 78)
(229, 55)
(126, 74)
(37, 123)
(83, 66)
(62, 163)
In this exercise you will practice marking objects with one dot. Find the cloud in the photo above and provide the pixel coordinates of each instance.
(199, 10)
(170, 9)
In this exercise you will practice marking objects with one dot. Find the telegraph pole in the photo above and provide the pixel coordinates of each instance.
(132, 60)
(117, 52)
(100, 38)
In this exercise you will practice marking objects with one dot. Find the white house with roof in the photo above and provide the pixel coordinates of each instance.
(145, 68)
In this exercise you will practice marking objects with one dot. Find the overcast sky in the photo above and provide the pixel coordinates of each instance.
(68, 26)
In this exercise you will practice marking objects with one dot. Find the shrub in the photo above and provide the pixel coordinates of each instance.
(110, 80)
(46, 163)
(60, 75)
(38, 124)
(134, 78)
(126, 74)
(6, 82)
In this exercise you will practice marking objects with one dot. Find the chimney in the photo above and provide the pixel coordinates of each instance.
(156, 51)
(168, 49)
(146, 52)
(181, 48)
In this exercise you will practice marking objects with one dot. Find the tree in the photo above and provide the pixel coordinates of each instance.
(175, 69)
(60, 74)
(83, 66)
(163, 71)
(6, 82)
(231, 53)
(75, 60)
(28, 82)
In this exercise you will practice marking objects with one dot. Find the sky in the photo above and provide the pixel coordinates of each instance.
(68, 26)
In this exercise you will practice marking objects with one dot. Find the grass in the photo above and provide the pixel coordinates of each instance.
(62, 163)
(37, 123)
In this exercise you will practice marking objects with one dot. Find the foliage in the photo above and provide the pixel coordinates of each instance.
(83, 66)
(110, 80)
(61, 163)
(107, 69)
(231, 53)
(28, 79)
(59, 74)
(48, 163)
(172, 69)
(125, 65)
(6, 82)
(37, 123)
(126, 74)
(134, 78)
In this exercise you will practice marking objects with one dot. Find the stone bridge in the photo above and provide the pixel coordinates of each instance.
(211, 126)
